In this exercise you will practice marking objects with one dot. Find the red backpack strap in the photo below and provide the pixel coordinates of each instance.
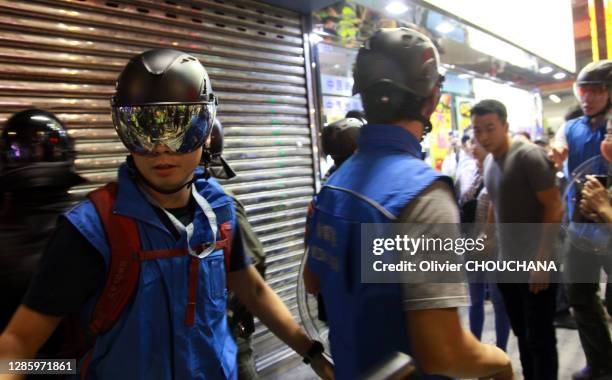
(225, 230)
(124, 268)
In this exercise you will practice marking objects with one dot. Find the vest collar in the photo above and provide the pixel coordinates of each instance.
(391, 138)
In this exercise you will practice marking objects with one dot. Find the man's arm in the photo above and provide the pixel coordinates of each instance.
(560, 148)
(70, 272)
(27, 331)
(440, 344)
(448, 349)
(489, 230)
(260, 299)
(552, 213)
(541, 178)
(550, 199)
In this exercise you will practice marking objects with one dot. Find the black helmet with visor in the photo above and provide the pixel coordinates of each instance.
(595, 79)
(163, 97)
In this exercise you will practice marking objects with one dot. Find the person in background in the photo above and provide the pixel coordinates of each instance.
(520, 181)
(36, 172)
(468, 177)
(339, 140)
(474, 212)
(596, 203)
(576, 142)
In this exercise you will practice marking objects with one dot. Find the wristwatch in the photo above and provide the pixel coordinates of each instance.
(315, 349)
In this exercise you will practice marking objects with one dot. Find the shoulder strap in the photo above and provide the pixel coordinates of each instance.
(124, 268)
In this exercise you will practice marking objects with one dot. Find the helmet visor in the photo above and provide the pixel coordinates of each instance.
(182, 128)
(595, 89)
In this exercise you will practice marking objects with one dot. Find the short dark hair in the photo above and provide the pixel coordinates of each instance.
(488, 106)
(384, 103)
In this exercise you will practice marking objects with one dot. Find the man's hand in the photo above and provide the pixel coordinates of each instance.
(595, 199)
(538, 281)
(322, 367)
(558, 154)
(587, 211)
(253, 292)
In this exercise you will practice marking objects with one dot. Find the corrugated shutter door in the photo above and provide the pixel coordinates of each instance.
(64, 56)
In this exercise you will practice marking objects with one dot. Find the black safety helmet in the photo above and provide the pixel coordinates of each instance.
(163, 97)
(339, 139)
(402, 57)
(36, 151)
(595, 74)
(396, 71)
(599, 72)
(33, 136)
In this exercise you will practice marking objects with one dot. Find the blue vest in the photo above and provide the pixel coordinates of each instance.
(366, 320)
(583, 144)
(150, 340)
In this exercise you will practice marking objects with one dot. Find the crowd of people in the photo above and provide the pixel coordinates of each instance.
(159, 274)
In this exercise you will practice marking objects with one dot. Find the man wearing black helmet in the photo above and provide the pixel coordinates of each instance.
(385, 181)
(36, 172)
(155, 249)
(576, 142)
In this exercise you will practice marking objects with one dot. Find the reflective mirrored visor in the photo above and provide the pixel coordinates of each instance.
(595, 89)
(181, 127)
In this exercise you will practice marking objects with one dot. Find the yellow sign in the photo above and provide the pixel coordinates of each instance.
(439, 138)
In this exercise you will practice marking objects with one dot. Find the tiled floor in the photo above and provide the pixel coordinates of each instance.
(571, 357)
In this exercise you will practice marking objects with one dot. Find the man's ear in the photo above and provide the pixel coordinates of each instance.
(430, 104)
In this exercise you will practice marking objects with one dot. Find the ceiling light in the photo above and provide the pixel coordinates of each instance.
(546, 70)
(554, 98)
(559, 75)
(445, 27)
(396, 8)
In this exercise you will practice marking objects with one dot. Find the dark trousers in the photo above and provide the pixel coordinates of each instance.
(586, 302)
(531, 317)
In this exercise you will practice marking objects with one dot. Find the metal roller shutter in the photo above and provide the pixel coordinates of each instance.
(64, 56)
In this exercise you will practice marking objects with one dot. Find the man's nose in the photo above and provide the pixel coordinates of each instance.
(161, 148)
